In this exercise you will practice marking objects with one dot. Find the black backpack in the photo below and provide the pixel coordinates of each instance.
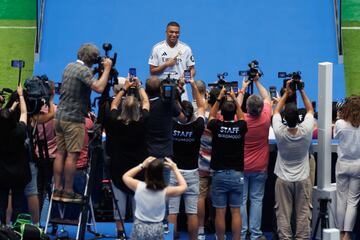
(7, 233)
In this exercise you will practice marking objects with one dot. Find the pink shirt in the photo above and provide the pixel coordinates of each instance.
(256, 152)
(50, 134)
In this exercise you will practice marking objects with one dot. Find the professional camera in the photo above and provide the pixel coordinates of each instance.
(171, 88)
(37, 92)
(296, 84)
(100, 68)
(221, 82)
(253, 70)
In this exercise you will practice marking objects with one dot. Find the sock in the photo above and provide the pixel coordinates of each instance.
(201, 230)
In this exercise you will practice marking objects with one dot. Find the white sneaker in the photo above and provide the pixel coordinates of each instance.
(217, 238)
(166, 228)
(201, 236)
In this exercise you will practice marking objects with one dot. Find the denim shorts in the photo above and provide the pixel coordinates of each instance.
(227, 188)
(31, 187)
(190, 195)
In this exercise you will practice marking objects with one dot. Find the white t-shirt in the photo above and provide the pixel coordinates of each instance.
(161, 52)
(292, 162)
(150, 205)
(349, 141)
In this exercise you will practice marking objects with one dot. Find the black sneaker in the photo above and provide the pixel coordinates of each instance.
(71, 197)
(57, 195)
(121, 235)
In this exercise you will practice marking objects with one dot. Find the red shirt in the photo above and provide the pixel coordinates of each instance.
(83, 158)
(256, 152)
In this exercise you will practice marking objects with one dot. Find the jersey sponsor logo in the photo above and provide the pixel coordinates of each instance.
(164, 59)
(164, 54)
(192, 58)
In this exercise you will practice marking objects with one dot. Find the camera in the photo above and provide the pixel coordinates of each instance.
(100, 68)
(38, 92)
(220, 83)
(296, 84)
(253, 71)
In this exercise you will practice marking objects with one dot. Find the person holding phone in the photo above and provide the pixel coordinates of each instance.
(171, 55)
(14, 164)
(150, 196)
(256, 158)
(125, 142)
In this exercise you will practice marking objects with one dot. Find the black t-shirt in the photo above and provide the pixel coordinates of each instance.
(159, 128)
(125, 145)
(14, 164)
(227, 144)
(186, 143)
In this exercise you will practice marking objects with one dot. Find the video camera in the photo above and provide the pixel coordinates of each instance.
(38, 93)
(221, 82)
(296, 84)
(253, 70)
(100, 68)
(170, 88)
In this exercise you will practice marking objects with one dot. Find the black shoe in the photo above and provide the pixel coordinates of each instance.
(121, 235)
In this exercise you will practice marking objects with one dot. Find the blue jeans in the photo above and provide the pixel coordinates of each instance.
(227, 188)
(254, 185)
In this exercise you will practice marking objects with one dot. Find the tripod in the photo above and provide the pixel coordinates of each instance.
(322, 218)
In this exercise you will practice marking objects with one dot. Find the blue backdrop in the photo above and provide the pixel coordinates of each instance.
(282, 35)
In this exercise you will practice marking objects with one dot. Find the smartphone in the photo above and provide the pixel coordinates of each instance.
(187, 75)
(17, 63)
(57, 88)
(132, 72)
(272, 90)
(235, 87)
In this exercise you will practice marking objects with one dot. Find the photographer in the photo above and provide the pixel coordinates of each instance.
(77, 83)
(126, 142)
(150, 196)
(227, 161)
(292, 189)
(14, 165)
(256, 157)
(186, 143)
(159, 139)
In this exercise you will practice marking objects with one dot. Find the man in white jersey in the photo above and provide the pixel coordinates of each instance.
(171, 55)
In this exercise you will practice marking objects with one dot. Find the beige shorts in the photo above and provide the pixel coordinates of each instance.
(204, 185)
(69, 136)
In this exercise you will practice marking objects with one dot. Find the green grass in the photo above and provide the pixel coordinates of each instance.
(18, 9)
(351, 40)
(16, 44)
(350, 10)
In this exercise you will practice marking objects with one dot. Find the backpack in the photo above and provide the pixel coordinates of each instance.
(24, 227)
(7, 233)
